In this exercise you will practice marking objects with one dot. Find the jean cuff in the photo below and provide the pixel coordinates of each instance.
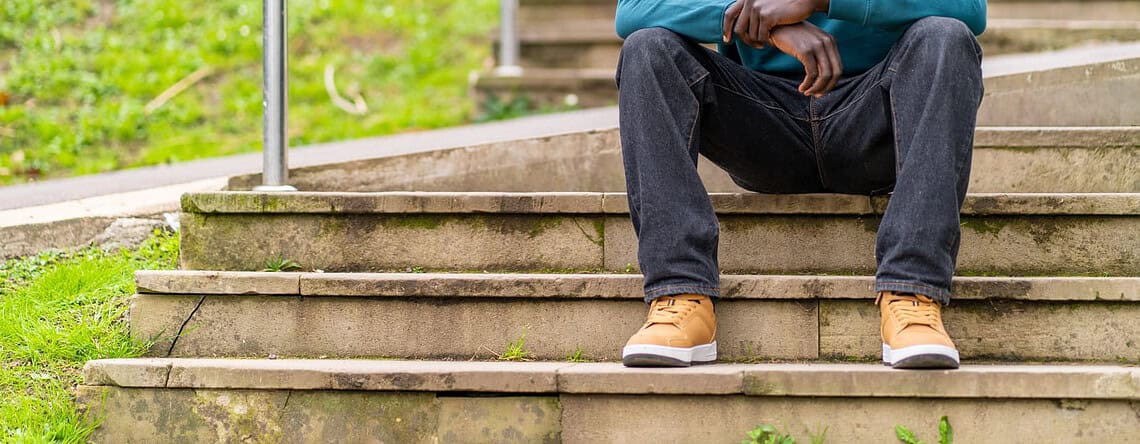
(941, 295)
(675, 289)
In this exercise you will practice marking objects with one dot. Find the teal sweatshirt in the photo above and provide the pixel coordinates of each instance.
(865, 30)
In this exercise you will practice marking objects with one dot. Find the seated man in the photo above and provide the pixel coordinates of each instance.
(805, 96)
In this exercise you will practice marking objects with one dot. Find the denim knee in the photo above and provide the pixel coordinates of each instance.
(946, 34)
(650, 49)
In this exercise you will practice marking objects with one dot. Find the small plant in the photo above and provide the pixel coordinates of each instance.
(945, 433)
(767, 434)
(817, 438)
(416, 269)
(577, 356)
(629, 267)
(516, 351)
(906, 436)
(281, 264)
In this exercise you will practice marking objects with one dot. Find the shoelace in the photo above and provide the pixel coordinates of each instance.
(671, 310)
(915, 311)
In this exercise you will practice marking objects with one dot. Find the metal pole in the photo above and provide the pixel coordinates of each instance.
(275, 173)
(508, 39)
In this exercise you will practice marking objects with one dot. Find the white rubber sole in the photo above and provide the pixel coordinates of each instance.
(645, 355)
(921, 356)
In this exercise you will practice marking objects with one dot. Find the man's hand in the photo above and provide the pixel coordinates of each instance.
(817, 51)
(755, 19)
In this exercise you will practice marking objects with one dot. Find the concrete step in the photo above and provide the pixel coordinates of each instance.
(592, 45)
(1061, 96)
(573, 16)
(577, 36)
(1002, 234)
(204, 400)
(1064, 10)
(475, 316)
(1031, 96)
(1006, 159)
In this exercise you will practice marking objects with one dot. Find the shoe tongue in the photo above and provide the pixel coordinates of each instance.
(913, 299)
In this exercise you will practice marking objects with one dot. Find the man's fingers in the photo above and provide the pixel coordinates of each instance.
(763, 36)
(832, 66)
(764, 31)
(741, 28)
(730, 16)
(836, 66)
(811, 71)
(823, 61)
(754, 26)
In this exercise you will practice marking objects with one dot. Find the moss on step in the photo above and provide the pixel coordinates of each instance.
(992, 226)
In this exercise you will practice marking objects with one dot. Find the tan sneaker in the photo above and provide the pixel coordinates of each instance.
(680, 330)
(913, 335)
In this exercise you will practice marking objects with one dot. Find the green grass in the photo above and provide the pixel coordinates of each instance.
(76, 76)
(58, 311)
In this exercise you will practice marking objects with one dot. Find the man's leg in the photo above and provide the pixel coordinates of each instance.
(930, 86)
(678, 100)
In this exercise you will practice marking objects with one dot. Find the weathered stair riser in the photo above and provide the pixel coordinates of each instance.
(581, 35)
(467, 316)
(1006, 159)
(357, 401)
(1058, 97)
(591, 44)
(1014, 234)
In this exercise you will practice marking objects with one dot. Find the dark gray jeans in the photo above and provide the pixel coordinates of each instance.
(906, 125)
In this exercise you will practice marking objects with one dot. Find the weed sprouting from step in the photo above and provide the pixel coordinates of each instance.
(768, 434)
(516, 351)
(945, 433)
(280, 264)
(818, 437)
(577, 356)
(906, 436)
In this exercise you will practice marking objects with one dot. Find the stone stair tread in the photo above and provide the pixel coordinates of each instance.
(830, 380)
(601, 30)
(1065, 10)
(404, 202)
(606, 286)
(1062, 61)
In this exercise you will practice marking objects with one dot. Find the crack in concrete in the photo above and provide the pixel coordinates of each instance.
(285, 405)
(169, 370)
(182, 327)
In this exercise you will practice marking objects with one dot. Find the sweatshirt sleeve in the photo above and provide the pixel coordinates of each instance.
(897, 14)
(700, 20)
